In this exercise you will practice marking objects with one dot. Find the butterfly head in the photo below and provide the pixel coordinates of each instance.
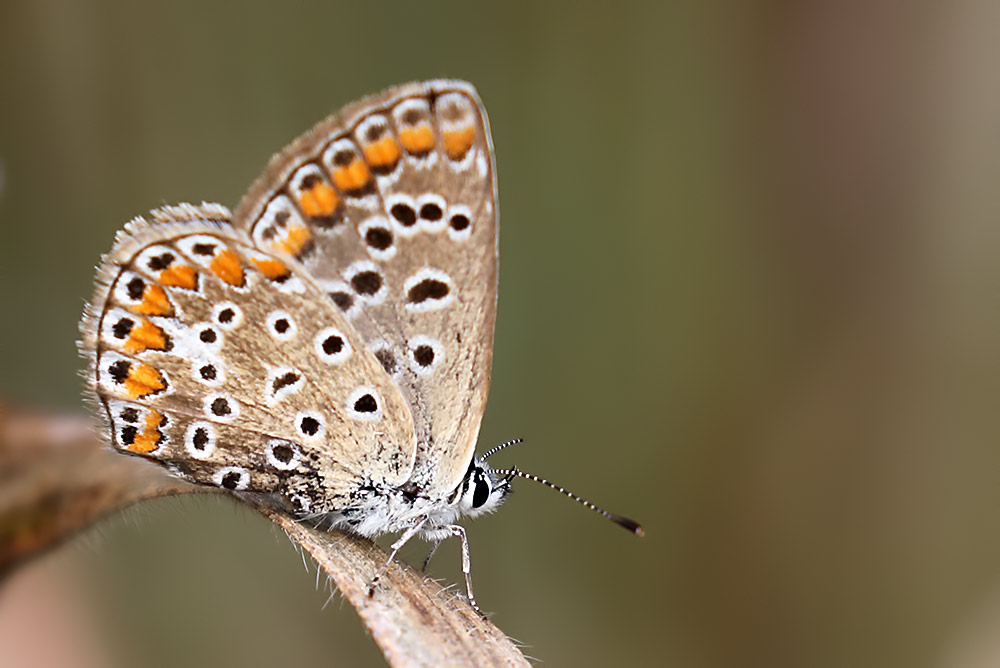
(483, 489)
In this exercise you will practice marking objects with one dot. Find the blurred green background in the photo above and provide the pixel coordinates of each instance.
(749, 290)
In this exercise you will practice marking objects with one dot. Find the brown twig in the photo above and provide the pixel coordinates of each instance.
(56, 479)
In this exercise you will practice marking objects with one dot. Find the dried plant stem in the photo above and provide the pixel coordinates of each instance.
(56, 479)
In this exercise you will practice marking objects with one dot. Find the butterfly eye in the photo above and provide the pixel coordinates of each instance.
(482, 491)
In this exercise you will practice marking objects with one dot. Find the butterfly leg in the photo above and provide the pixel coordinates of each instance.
(427, 561)
(459, 531)
(400, 542)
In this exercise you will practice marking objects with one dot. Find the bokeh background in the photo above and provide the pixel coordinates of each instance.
(749, 288)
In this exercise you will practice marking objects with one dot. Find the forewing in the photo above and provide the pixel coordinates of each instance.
(391, 205)
(232, 368)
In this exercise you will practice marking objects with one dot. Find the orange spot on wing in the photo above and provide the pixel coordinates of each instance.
(458, 142)
(226, 265)
(144, 336)
(272, 268)
(179, 276)
(352, 177)
(294, 240)
(383, 153)
(142, 380)
(417, 140)
(320, 200)
(154, 302)
(149, 438)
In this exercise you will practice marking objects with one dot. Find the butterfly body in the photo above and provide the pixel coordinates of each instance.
(388, 509)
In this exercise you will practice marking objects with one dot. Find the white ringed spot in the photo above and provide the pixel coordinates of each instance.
(204, 337)
(459, 219)
(430, 209)
(234, 478)
(281, 326)
(282, 382)
(221, 407)
(310, 424)
(428, 290)
(282, 455)
(367, 281)
(425, 354)
(227, 316)
(199, 440)
(402, 210)
(208, 372)
(364, 404)
(332, 346)
(376, 234)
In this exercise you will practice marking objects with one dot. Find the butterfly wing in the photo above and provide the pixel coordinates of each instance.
(232, 368)
(391, 205)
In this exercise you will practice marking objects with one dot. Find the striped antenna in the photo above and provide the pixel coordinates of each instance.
(631, 525)
(492, 451)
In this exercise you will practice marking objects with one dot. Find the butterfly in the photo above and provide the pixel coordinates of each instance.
(326, 348)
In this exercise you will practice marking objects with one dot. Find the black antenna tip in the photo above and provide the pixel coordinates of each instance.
(631, 525)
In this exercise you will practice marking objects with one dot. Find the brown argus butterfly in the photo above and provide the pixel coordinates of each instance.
(327, 347)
